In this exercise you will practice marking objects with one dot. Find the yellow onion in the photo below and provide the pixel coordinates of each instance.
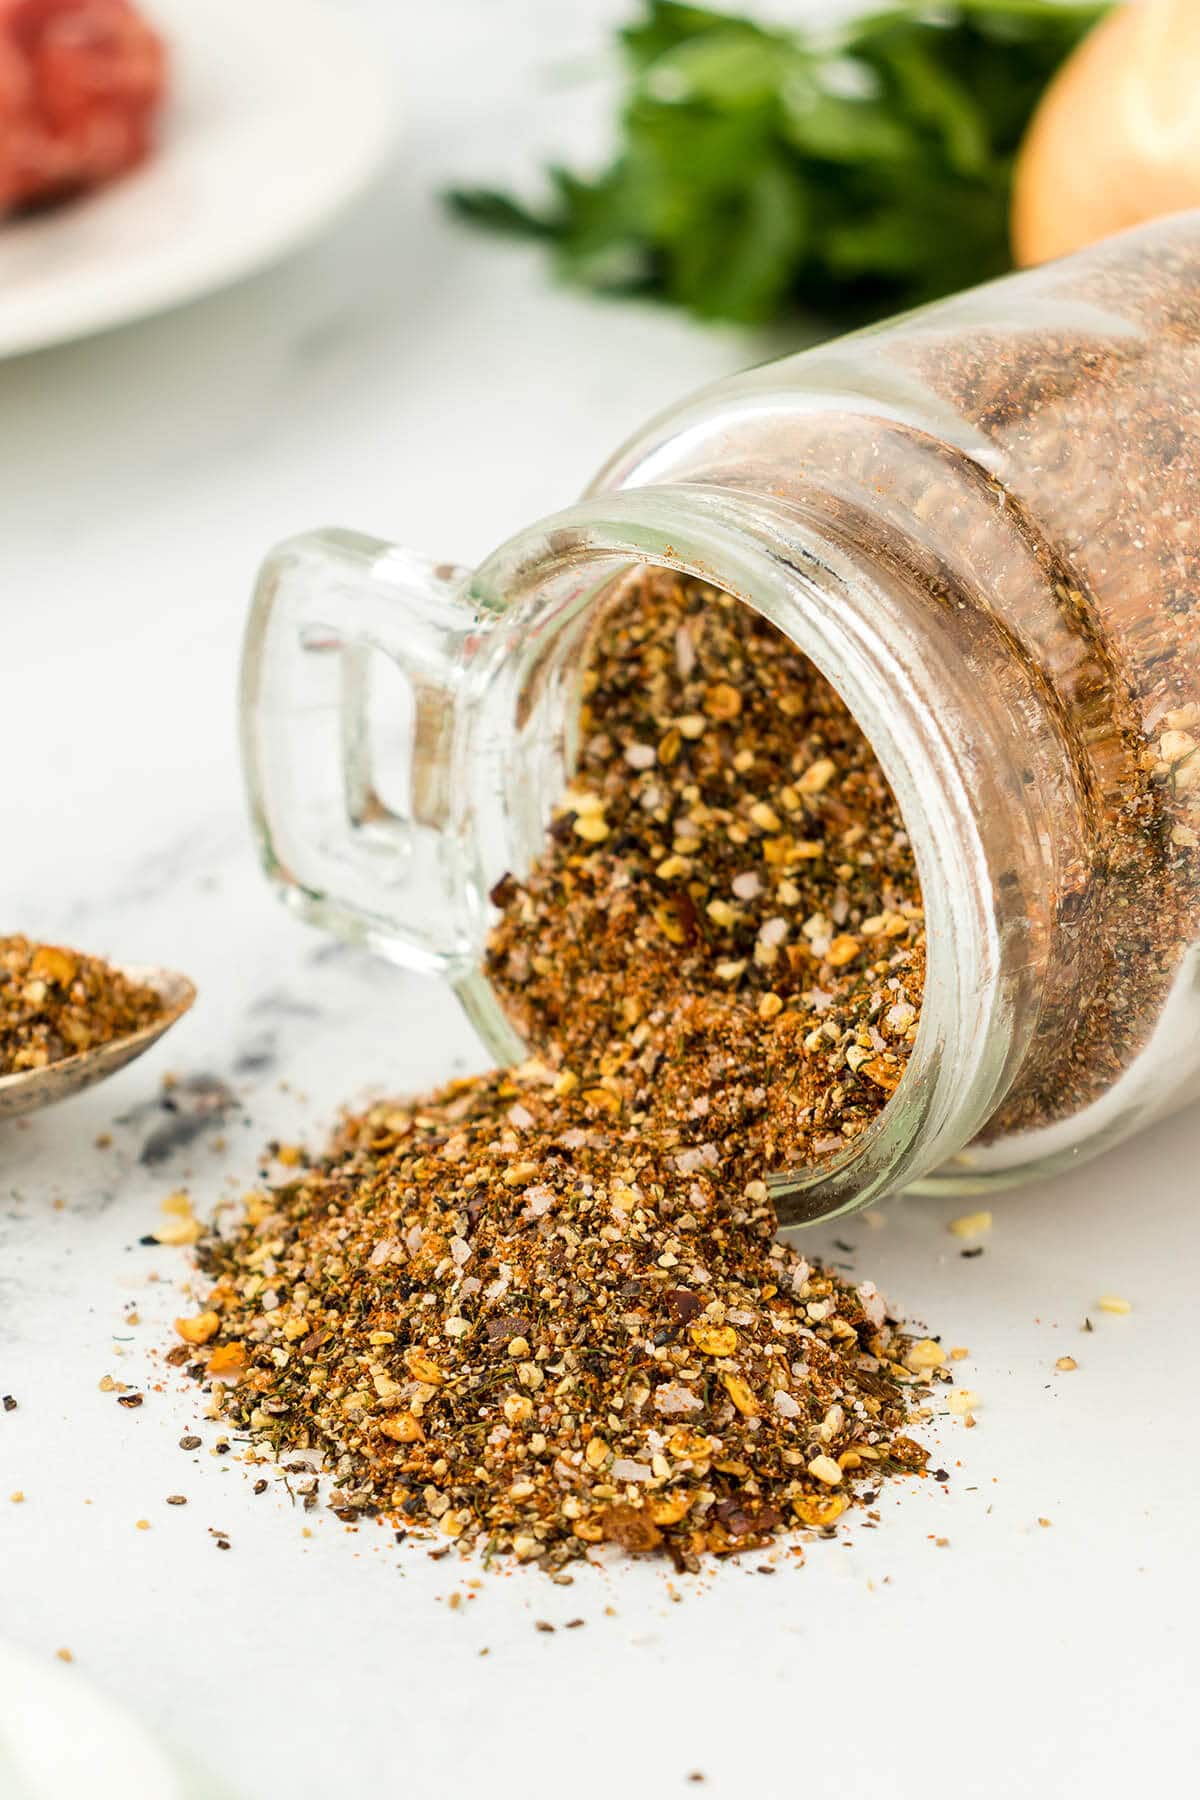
(1116, 138)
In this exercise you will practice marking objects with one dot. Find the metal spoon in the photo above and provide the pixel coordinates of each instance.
(30, 1089)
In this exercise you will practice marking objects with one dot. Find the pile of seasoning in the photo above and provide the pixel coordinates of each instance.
(56, 1003)
(543, 1308)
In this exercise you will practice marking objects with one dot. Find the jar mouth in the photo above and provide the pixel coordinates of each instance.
(850, 628)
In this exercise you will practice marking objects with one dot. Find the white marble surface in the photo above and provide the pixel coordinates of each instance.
(410, 379)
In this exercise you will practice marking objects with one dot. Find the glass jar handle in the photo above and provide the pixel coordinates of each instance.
(357, 779)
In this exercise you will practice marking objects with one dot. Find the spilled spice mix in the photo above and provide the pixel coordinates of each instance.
(499, 1312)
(543, 1308)
(56, 1003)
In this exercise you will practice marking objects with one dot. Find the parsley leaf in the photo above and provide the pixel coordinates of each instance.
(760, 171)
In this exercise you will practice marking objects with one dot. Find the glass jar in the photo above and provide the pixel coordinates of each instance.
(980, 521)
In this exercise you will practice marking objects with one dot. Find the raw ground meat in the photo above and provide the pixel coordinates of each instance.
(81, 82)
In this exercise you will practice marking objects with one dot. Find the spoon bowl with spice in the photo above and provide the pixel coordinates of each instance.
(68, 1021)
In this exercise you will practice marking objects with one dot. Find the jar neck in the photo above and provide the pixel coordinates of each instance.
(962, 727)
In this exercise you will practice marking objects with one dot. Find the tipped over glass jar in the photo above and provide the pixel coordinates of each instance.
(981, 522)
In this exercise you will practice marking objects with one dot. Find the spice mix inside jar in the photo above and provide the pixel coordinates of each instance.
(979, 524)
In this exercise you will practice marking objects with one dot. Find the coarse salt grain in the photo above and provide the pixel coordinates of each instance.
(671, 1397)
(872, 1303)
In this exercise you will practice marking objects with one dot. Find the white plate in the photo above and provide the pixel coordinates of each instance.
(61, 1739)
(278, 113)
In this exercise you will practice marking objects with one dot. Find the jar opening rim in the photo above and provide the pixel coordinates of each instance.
(829, 607)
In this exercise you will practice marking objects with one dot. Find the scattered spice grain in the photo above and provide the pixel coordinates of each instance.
(56, 1003)
(180, 1225)
(970, 1225)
